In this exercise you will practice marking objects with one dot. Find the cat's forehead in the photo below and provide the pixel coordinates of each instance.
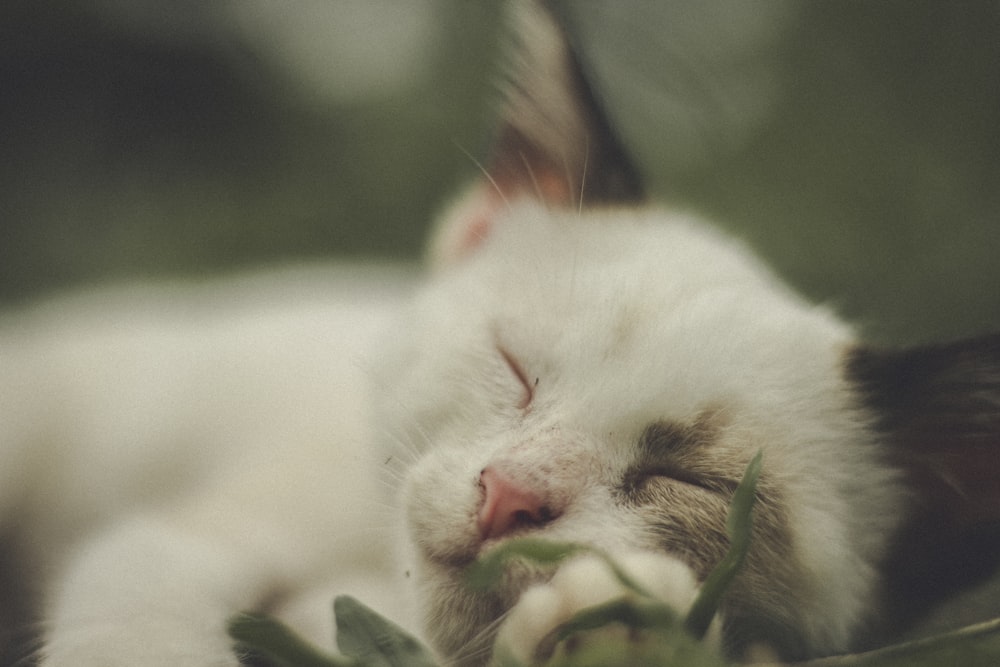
(614, 270)
(626, 307)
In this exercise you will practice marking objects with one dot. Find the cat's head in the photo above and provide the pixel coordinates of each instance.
(583, 366)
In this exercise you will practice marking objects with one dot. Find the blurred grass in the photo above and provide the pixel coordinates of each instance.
(856, 145)
(654, 633)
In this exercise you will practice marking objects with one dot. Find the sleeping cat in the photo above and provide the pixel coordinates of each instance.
(579, 365)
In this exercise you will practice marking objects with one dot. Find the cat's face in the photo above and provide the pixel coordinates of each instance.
(585, 367)
(618, 369)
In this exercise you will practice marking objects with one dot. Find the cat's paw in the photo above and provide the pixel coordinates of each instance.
(527, 635)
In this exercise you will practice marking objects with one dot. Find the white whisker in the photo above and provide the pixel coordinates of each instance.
(480, 645)
(486, 174)
(534, 179)
(568, 173)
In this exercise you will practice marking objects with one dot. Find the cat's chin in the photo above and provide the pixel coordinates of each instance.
(462, 621)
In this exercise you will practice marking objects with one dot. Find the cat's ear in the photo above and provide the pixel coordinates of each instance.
(553, 142)
(938, 408)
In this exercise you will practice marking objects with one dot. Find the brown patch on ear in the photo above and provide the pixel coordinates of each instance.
(938, 407)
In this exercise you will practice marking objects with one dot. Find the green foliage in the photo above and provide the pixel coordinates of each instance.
(364, 638)
(656, 635)
(637, 629)
(486, 572)
(974, 646)
(374, 641)
(650, 632)
(262, 635)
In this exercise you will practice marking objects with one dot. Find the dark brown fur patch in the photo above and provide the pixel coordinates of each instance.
(938, 409)
(681, 487)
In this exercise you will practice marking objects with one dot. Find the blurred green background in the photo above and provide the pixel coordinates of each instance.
(855, 144)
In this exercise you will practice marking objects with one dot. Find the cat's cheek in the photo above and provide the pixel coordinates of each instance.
(440, 498)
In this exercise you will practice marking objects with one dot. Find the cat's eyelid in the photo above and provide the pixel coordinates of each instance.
(522, 377)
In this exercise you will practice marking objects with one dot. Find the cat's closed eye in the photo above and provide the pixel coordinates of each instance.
(646, 477)
(527, 385)
(664, 455)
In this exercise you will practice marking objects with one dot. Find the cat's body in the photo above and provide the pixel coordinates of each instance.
(580, 365)
(133, 415)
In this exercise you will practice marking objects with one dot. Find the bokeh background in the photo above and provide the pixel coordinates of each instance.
(855, 144)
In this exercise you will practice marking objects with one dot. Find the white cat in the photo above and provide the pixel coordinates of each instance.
(580, 365)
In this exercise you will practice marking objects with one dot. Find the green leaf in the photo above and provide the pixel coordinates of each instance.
(739, 525)
(375, 641)
(655, 638)
(973, 646)
(679, 650)
(487, 571)
(275, 641)
(632, 612)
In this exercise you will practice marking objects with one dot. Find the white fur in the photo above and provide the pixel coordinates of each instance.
(178, 454)
(183, 455)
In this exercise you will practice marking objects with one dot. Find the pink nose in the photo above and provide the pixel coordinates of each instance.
(508, 505)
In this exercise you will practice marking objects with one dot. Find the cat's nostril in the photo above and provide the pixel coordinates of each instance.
(533, 517)
(509, 505)
(523, 516)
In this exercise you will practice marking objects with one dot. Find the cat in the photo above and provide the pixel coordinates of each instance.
(579, 364)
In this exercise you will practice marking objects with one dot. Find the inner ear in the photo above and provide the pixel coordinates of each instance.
(938, 409)
(553, 142)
